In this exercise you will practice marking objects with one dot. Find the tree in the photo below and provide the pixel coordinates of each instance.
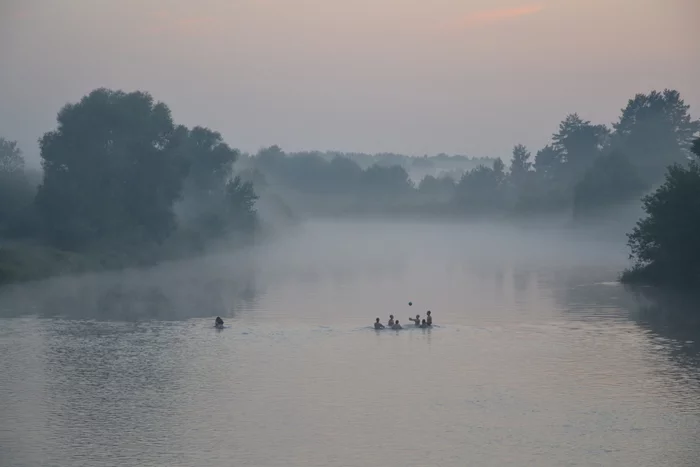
(499, 169)
(578, 144)
(657, 129)
(547, 162)
(214, 202)
(665, 244)
(481, 189)
(11, 159)
(111, 169)
(240, 205)
(209, 161)
(520, 164)
(16, 192)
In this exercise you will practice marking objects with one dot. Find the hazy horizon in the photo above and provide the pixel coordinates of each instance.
(469, 77)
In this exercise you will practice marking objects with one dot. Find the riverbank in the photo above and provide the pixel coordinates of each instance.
(26, 261)
(653, 275)
(29, 261)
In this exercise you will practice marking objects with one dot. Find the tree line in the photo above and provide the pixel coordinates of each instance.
(120, 175)
(585, 167)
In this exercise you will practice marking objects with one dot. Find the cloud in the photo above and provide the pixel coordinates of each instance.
(491, 16)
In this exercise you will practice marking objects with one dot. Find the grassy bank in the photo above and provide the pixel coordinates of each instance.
(23, 261)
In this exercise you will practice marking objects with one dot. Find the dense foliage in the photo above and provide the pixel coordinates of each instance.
(110, 170)
(122, 180)
(665, 243)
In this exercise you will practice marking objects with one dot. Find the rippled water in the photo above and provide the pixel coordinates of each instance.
(537, 358)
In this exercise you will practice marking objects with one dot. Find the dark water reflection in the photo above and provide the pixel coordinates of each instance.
(672, 318)
(538, 358)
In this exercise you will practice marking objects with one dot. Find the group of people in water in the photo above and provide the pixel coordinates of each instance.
(394, 324)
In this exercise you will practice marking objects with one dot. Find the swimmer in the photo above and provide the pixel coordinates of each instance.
(423, 324)
(219, 323)
(429, 319)
(391, 320)
(416, 320)
(378, 325)
(396, 325)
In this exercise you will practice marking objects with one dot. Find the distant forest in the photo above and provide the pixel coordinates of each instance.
(123, 184)
(584, 169)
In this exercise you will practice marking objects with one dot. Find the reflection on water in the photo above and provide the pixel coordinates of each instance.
(538, 358)
(672, 321)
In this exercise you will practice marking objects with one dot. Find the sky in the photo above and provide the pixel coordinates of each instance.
(417, 77)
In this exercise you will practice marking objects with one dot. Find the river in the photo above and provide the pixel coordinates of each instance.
(537, 357)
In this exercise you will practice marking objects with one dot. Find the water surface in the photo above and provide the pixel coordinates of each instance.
(538, 357)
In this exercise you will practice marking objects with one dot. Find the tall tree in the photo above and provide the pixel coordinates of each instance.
(657, 129)
(578, 143)
(111, 169)
(520, 165)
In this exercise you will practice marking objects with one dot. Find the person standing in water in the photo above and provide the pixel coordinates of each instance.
(378, 325)
(219, 323)
(396, 325)
(423, 324)
(415, 320)
(391, 321)
(429, 319)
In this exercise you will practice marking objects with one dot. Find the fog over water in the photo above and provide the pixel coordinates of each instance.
(537, 357)
(301, 168)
